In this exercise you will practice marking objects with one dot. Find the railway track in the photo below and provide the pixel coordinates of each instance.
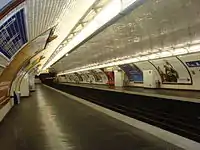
(178, 117)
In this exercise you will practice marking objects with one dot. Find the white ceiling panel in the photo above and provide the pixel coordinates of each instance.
(152, 27)
(67, 22)
(43, 14)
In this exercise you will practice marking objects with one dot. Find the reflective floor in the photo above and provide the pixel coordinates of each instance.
(50, 121)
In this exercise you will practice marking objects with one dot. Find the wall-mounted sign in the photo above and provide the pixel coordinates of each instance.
(111, 77)
(171, 70)
(133, 72)
(79, 76)
(96, 75)
(193, 63)
(13, 34)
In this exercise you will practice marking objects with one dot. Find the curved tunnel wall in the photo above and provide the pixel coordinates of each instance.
(20, 48)
(187, 68)
(13, 38)
(155, 27)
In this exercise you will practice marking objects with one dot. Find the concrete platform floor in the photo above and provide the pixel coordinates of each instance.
(50, 121)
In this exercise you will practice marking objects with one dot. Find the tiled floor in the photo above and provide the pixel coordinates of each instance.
(50, 121)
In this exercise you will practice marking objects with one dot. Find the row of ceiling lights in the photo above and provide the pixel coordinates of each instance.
(112, 9)
(86, 18)
(174, 51)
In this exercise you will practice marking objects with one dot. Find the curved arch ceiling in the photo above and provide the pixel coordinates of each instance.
(157, 26)
(26, 24)
(82, 28)
(24, 21)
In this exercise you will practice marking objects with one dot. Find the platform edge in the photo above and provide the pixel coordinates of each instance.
(167, 136)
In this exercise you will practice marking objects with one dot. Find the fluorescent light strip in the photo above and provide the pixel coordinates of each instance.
(174, 52)
(74, 13)
(111, 10)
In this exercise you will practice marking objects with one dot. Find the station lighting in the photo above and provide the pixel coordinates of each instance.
(194, 48)
(127, 60)
(179, 51)
(73, 13)
(164, 54)
(112, 9)
(153, 56)
(143, 58)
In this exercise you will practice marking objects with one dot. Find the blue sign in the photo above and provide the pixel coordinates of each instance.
(133, 72)
(193, 63)
(13, 34)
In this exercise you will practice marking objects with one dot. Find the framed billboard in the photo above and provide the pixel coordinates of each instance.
(195, 63)
(13, 34)
(172, 70)
(133, 73)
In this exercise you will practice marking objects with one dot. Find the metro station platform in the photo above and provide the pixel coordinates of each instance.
(172, 113)
(182, 95)
(49, 120)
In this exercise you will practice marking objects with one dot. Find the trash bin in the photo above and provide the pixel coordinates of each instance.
(17, 97)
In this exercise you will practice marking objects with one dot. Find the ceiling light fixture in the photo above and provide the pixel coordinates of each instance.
(173, 52)
(111, 10)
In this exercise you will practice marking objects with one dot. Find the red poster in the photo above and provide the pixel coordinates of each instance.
(111, 78)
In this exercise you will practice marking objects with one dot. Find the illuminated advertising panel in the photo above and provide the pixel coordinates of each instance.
(133, 72)
(193, 63)
(13, 34)
(172, 70)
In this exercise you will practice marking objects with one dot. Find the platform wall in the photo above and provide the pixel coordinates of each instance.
(180, 72)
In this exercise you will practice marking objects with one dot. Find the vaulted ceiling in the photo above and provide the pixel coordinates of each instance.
(26, 26)
(23, 21)
(145, 27)
(155, 26)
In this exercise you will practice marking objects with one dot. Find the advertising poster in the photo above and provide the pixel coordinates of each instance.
(193, 63)
(133, 72)
(71, 78)
(96, 75)
(172, 70)
(75, 77)
(13, 34)
(67, 78)
(34, 63)
(82, 77)
(79, 77)
(111, 77)
(102, 74)
(85, 76)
